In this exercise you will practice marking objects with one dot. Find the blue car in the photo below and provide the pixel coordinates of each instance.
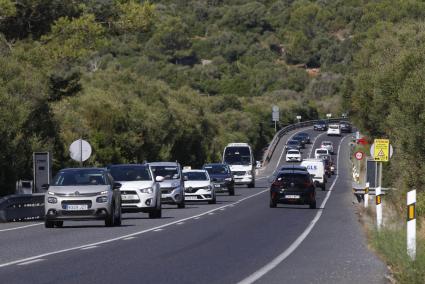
(221, 177)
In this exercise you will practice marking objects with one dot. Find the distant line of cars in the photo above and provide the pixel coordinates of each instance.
(106, 193)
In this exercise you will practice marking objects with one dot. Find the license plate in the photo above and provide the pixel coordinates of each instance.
(129, 197)
(77, 207)
(216, 185)
(292, 196)
(190, 197)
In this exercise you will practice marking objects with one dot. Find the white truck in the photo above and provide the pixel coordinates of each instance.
(316, 168)
(241, 161)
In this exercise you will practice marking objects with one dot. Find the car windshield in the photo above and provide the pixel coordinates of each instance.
(237, 156)
(130, 173)
(293, 152)
(168, 172)
(216, 169)
(333, 126)
(302, 134)
(327, 143)
(321, 122)
(293, 142)
(195, 176)
(80, 177)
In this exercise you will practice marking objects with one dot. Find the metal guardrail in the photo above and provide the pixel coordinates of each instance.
(286, 129)
(22, 207)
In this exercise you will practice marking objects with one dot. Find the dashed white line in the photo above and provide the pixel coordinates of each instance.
(21, 227)
(276, 261)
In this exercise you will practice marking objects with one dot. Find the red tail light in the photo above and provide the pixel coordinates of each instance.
(277, 183)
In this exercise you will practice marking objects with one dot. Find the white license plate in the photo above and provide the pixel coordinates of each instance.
(190, 197)
(77, 207)
(216, 185)
(292, 196)
(129, 197)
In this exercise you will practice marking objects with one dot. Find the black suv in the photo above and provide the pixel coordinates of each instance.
(221, 177)
(345, 127)
(293, 187)
(293, 144)
(320, 125)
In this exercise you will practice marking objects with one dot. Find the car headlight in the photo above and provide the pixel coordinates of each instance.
(102, 199)
(105, 192)
(148, 190)
(52, 200)
(207, 188)
(228, 179)
(50, 193)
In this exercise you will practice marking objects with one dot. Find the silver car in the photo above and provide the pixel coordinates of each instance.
(140, 191)
(172, 188)
(82, 194)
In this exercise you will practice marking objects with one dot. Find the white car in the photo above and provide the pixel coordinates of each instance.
(140, 192)
(334, 129)
(198, 186)
(321, 151)
(328, 145)
(293, 156)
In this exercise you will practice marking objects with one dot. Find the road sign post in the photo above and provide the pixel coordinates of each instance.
(366, 195)
(275, 116)
(411, 224)
(378, 201)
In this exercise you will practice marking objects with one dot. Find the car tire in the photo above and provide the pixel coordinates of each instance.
(181, 204)
(312, 205)
(213, 201)
(118, 217)
(109, 220)
(251, 185)
(231, 191)
(59, 224)
(155, 214)
(323, 187)
(49, 224)
(273, 203)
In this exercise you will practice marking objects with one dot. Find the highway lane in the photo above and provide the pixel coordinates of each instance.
(224, 247)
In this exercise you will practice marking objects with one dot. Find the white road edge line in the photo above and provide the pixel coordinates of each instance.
(31, 261)
(28, 259)
(276, 261)
(92, 247)
(21, 227)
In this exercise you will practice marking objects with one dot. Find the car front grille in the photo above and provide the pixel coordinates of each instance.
(239, 173)
(130, 201)
(78, 213)
(73, 194)
(167, 190)
(191, 190)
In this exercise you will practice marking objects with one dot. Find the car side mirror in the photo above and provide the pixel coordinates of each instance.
(117, 185)
(45, 187)
(159, 179)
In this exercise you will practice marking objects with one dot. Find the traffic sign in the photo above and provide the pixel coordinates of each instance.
(359, 155)
(80, 150)
(381, 150)
(275, 113)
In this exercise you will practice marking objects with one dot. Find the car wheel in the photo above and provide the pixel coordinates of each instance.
(231, 191)
(49, 224)
(323, 187)
(155, 214)
(118, 217)
(273, 203)
(109, 220)
(251, 185)
(213, 201)
(313, 204)
(181, 204)
(59, 224)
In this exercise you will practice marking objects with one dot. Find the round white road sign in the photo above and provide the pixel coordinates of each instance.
(359, 155)
(80, 150)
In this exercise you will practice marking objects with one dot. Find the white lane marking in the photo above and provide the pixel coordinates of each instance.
(129, 238)
(21, 227)
(276, 261)
(158, 230)
(181, 223)
(212, 213)
(31, 261)
(124, 236)
(92, 247)
(197, 218)
(312, 144)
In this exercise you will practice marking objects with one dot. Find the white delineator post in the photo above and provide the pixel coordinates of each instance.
(378, 199)
(366, 195)
(411, 224)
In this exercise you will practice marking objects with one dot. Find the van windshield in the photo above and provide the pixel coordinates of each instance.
(237, 156)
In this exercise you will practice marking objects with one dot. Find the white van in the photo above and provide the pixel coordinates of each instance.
(316, 168)
(320, 151)
(240, 159)
(334, 129)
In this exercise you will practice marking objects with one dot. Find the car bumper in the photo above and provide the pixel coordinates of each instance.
(222, 186)
(200, 195)
(243, 179)
(293, 159)
(293, 197)
(135, 201)
(173, 197)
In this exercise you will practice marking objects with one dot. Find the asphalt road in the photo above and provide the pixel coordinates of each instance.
(240, 239)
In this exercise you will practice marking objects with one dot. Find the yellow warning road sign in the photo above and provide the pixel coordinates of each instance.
(381, 152)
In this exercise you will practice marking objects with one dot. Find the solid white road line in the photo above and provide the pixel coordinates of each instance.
(181, 223)
(21, 227)
(28, 259)
(276, 261)
(129, 238)
(31, 261)
(92, 247)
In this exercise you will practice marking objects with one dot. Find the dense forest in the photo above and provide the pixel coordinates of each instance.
(167, 80)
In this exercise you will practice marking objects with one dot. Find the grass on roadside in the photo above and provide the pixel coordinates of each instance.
(391, 245)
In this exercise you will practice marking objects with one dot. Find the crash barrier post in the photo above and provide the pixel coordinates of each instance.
(366, 196)
(411, 224)
(378, 202)
(23, 207)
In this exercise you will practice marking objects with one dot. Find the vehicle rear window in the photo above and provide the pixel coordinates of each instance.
(293, 152)
(296, 178)
(217, 169)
